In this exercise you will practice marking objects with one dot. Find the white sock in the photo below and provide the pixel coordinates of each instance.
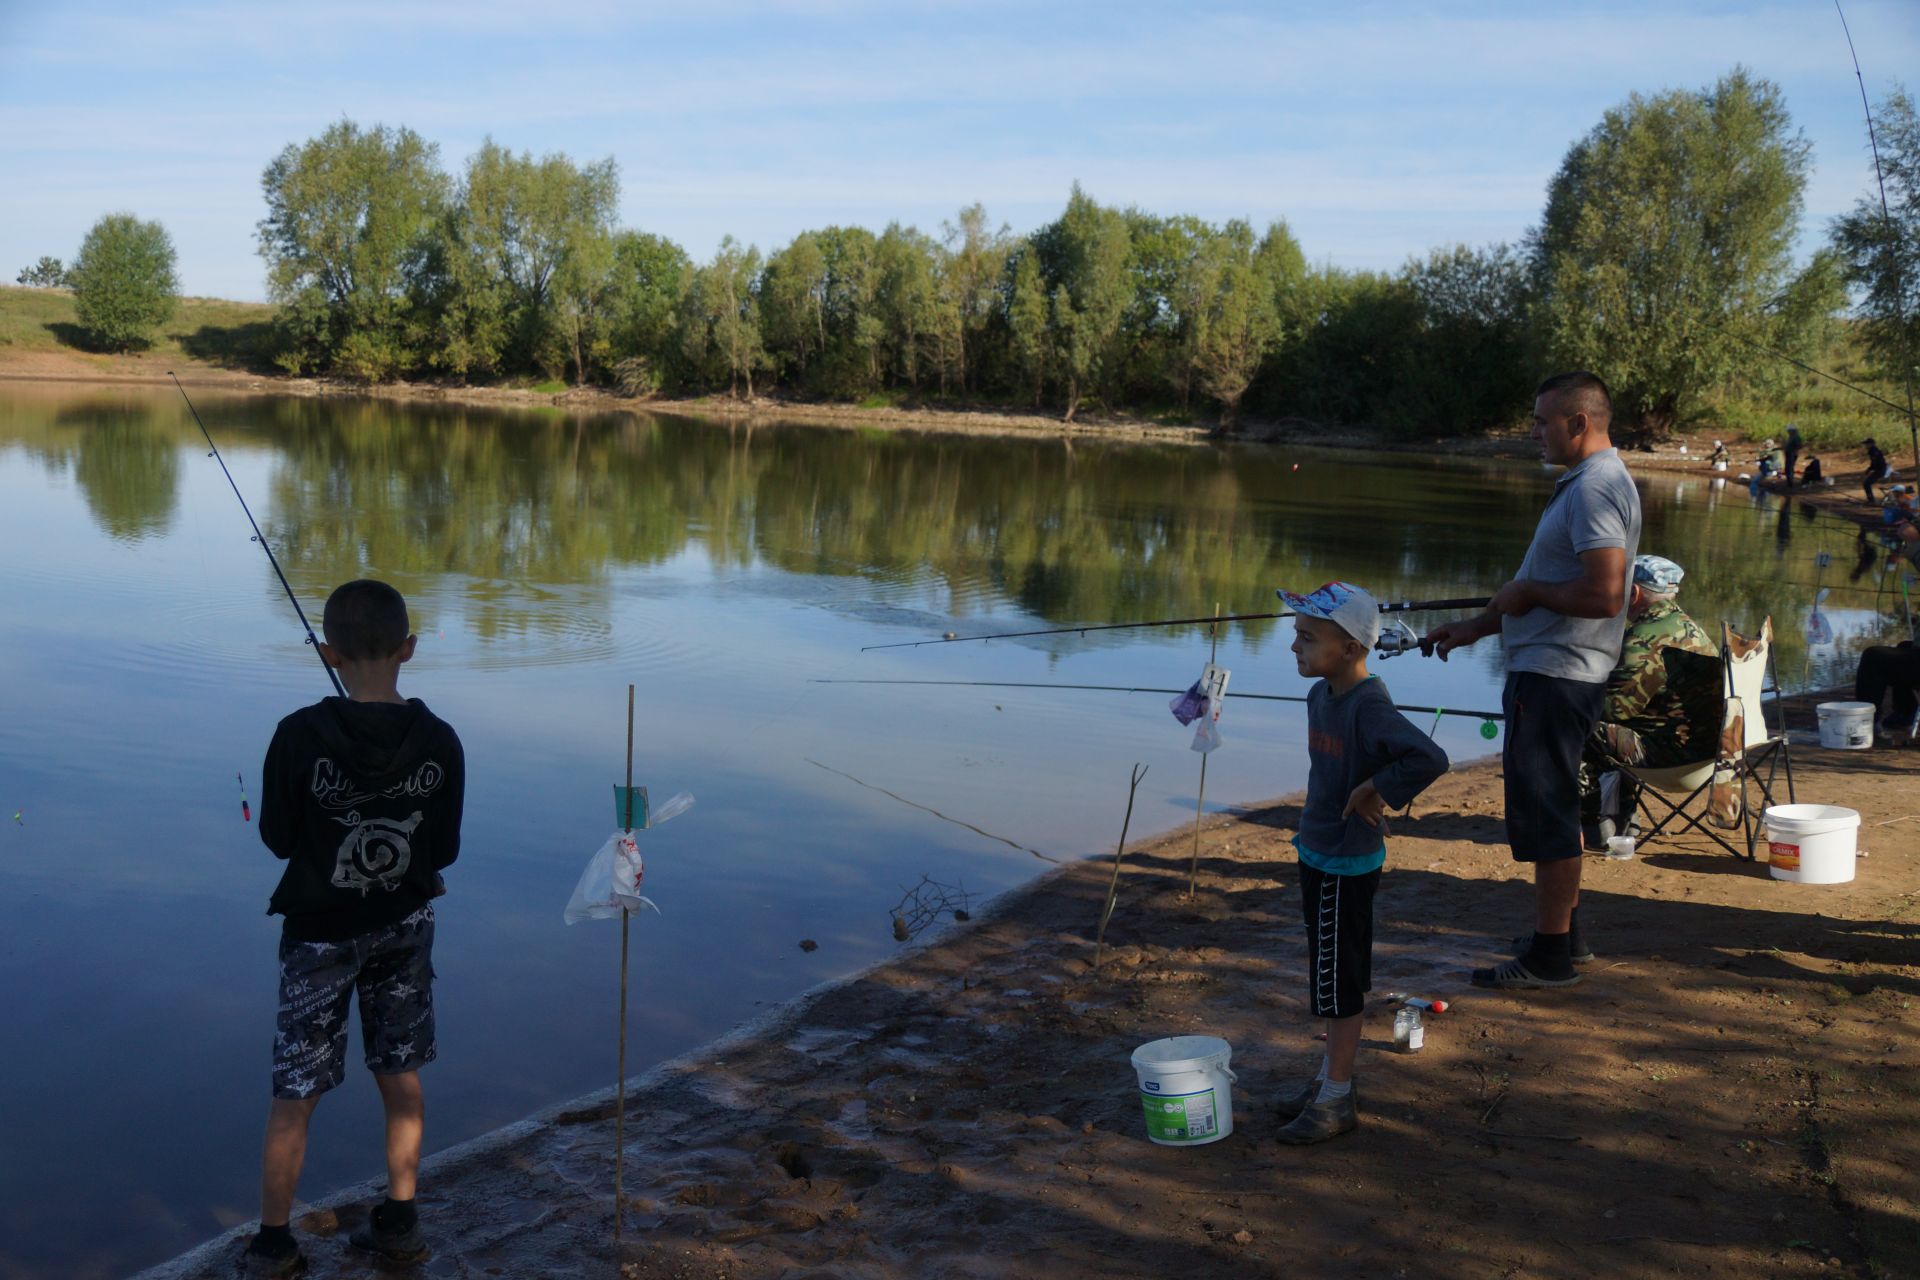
(1333, 1090)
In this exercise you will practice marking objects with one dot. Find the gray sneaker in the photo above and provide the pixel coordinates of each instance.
(1320, 1121)
(1296, 1102)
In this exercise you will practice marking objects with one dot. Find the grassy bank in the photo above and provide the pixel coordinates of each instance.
(39, 334)
(229, 335)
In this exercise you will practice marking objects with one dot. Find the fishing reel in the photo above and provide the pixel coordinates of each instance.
(1396, 638)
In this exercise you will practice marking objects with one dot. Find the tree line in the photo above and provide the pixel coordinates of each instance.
(1663, 258)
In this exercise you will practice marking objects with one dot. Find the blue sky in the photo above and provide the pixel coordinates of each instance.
(1376, 130)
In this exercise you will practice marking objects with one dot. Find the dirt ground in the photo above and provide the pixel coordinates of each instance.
(1731, 1091)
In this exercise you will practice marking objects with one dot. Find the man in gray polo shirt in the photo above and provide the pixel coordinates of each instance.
(1561, 619)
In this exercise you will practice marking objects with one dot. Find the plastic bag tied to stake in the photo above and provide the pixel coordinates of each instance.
(611, 882)
(1203, 702)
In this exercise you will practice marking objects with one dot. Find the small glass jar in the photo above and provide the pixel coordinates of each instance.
(1409, 1033)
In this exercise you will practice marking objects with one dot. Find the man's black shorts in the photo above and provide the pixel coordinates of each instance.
(1339, 915)
(1548, 719)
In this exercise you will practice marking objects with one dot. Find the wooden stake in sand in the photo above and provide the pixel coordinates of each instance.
(1113, 884)
(1199, 803)
(620, 1089)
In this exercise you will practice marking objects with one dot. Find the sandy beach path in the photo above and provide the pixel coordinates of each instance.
(1732, 1091)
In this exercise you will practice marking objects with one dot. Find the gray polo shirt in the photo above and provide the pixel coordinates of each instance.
(1594, 505)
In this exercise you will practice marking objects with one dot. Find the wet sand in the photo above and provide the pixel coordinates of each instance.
(1731, 1091)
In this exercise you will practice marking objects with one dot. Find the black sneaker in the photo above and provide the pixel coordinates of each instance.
(257, 1262)
(1577, 950)
(1320, 1121)
(390, 1243)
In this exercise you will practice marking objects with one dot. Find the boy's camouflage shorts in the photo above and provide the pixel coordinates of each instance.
(392, 968)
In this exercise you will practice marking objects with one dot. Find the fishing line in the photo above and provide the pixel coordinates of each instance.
(1129, 688)
(1886, 215)
(260, 537)
(1404, 606)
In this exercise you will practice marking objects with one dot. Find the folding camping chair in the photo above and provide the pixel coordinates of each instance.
(1715, 790)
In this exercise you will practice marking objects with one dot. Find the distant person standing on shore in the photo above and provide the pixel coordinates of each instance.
(1562, 619)
(1877, 468)
(1792, 452)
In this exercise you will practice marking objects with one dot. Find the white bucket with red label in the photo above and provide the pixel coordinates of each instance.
(1811, 843)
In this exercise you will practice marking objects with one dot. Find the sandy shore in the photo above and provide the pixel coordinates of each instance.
(1732, 1090)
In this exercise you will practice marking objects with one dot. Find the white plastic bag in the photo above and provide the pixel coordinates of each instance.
(611, 882)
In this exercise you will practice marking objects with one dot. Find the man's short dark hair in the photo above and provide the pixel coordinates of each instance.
(365, 619)
(1591, 387)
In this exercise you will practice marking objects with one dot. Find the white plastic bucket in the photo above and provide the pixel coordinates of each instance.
(1186, 1089)
(1811, 843)
(1846, 726)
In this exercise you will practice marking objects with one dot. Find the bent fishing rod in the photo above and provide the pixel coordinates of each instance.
(1402, 606)
(259, 537)
(1130, 688)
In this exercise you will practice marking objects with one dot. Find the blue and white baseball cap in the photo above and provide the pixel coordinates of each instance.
(1657, 574)
(1344, 605)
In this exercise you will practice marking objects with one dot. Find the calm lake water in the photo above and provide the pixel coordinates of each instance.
(146, 651)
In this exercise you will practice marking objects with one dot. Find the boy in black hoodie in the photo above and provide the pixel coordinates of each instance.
(361, 796)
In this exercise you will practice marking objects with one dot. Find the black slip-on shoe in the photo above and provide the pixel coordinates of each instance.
(385, 1242)
(1320, 1121)
(1514, 975)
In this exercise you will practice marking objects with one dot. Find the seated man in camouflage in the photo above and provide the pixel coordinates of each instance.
(1660, 709)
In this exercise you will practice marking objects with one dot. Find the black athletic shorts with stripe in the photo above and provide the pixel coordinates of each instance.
(1339, 914)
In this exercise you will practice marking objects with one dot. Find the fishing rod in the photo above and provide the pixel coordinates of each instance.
(1886, 215)
(259, 537)
(1128, 688)
(1404, 606)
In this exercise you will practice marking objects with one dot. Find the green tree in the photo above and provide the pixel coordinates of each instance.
(970, 275)
(1236, 317)
(1472, 356)
(123, 281)
(1170, 274)
(1029, 314)
(1665, 253)
(48, 273)
(793, 306)
(649, 278)
(851, 364)
(349, 233)
(1880, 251)
(907, 300)
(1083, 259)
(526, 232)
(720, 318)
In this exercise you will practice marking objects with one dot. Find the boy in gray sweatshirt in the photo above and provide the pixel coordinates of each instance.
(1364, 758)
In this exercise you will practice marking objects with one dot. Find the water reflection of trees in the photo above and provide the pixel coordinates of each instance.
(525, 518)
(1066, 533)
(126, 464)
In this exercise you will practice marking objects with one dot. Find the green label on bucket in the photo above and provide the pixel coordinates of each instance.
(1184, 1118)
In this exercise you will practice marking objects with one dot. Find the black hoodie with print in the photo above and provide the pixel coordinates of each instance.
(363, 800)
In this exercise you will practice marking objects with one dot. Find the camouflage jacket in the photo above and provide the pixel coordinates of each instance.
(1661, 689)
